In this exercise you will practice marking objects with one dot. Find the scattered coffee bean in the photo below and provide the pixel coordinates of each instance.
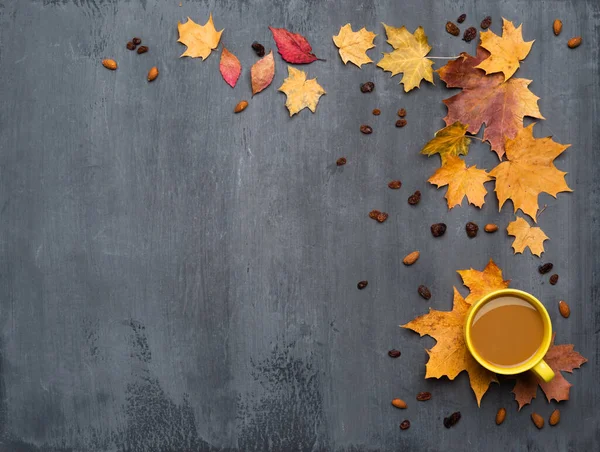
(424, 292)
(452, 28)
(471, 229)
(537, 420)
(401, 123)
(382, 217)
(500, 416)
(258, 48)
(485, 23)
(402, 112)
(142, 49)
(376, 112)
(130, 45)
(543, 269)
(438, 229)
(367, 87)
(564, 309)
(461, 18)
(554, 279)
(136, 41)
(469, 34)
(405, 424)
(373, 214)
(423, 396)
(490, 227)
(452, 419)
(394, 353)
(341, 161)
(362, 284)
(395, 184)
(414, 199)
(366, 129)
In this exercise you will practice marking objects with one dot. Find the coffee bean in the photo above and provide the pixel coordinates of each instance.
(424, 292)
(136, 41)
(543, 269)
(395, 184)
(423, 396)
(414, 199)
(452, 419)
(452, 28)
(258, 48)
(438, 229)
(554, 279)
(367, 130)
(472, 229)
(405, 424)
(130, 45)
(367, 87)
(341, 161)
(461, 18)
(376, 112)
(485, 23)
(469, 34)
(362, 284)
(373, 214)
(401, 123)
(402, 112)
(394, 353)
(382, 217)
(142, 49)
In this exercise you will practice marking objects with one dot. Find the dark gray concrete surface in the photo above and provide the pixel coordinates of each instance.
(175, 278)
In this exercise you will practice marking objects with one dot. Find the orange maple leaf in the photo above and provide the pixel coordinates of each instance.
(487, 99)
(199, 39)
(484, 282)
(561, 358)
(450, 356)
(506, 50)
(529, 171)
(526, 236)
(461, 182)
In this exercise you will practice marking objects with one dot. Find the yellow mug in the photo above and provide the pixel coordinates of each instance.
(536, 363)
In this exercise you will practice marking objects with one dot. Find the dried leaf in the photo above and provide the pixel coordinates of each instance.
(526, 236)
(449, 141)
(262, 73)
(293, 47)
(199, 39)
(529, 171)
(506, 51)
(484, 282)
(561, 358)
(301, 93)
(408, 56)
(461, 182)
(353, 45)
(230, 67)
(488, 100)
(450, 355)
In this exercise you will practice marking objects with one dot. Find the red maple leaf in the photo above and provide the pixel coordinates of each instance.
(293, 47)
(559, 358)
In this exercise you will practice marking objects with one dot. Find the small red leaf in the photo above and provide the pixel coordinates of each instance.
(293, 48)
(230, 67)
(262, 73)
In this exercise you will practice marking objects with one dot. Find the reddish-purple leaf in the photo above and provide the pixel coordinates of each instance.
(293, 48)
(230, 67)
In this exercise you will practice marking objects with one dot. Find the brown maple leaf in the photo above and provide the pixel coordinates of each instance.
(484, 282)
(561, 358)
(487, 99)
(529, 171)
(450, 356)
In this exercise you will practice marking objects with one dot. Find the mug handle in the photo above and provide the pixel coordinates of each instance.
(543, 371)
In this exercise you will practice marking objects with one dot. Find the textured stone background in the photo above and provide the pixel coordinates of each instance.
(174, 277)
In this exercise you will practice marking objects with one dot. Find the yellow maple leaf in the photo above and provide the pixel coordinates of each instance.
(353, 45)
(529, 171)
(484, 282)
(506, 51)
(461, 182)
(526, 236)
(199, 39)
(450, 140)
(408, 56)
(301, 93)
(450, 356)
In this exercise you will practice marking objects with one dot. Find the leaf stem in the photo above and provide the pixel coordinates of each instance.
(443, 58)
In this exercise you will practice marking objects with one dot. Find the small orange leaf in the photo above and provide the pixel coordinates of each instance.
(526, 236)
(506, 51)
(484, 282)
(199, 39)
(230, 67)
(449, 141)
(461, 182)
(262, 73)
(450, 356)
(529, 171)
